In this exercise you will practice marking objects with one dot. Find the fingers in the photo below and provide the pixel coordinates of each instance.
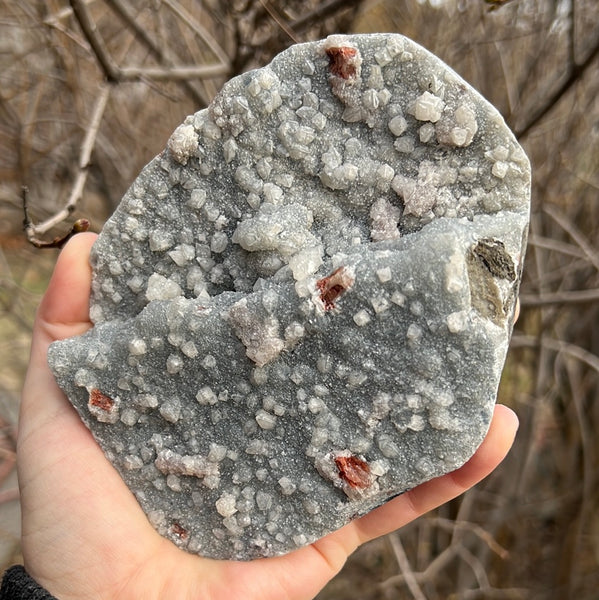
(431, 494)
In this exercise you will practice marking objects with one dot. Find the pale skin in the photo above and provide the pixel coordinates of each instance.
(84, 535)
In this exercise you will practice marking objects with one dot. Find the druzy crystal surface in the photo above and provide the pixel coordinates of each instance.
(302, 306)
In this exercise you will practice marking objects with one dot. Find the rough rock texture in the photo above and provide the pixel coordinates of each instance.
(302, 306)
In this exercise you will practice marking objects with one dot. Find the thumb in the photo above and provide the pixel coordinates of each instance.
(63, 312)
(65, 306)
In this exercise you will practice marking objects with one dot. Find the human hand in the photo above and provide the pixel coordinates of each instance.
(85, 536)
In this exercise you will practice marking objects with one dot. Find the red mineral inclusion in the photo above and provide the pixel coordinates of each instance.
(333, 285)
(179, 531)
(100, 400)
(341, 61)
(354, 471)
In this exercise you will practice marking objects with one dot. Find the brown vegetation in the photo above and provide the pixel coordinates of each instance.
(91, 89)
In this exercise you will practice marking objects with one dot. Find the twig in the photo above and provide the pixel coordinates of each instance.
(589, 478)
(476, 529)
(555, 245)
(508, 81)
(33, 231)
(161, 54)
(574, 233)
(140, 33)
(279, 21)
(543, 392)
(116, 74)
(528, 341)
(62, 13)
(577, 72)
(476, 566)
(484, 593)
(88, 26)
(466, 506)
(200, 30)
(183, 73)
(54, 22)
(441, 561)
(565, 297)
(78, 226)
(405, 567)
(572, 32)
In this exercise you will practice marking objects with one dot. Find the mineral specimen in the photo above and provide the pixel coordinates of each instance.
(302, 306)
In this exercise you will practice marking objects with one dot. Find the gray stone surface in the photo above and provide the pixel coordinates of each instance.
(303, 305)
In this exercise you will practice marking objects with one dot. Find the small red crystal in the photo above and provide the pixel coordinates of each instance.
(179, 531)
(354, 470)
(341, 63)
(333, 285)
(100, 400)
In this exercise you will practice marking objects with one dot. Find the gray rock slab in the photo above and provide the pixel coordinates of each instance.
(303, 305)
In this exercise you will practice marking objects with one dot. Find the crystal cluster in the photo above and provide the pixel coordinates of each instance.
(302, 306)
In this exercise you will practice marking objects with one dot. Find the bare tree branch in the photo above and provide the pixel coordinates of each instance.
(576, 74)
(84, 160)
(567, 225)
(405, 567)
(520, 340)
(54, 21)
(443, 559)
(555, 245)
(162, 54)
(480, 532)
(200, 30)
(565, 297)
(477, 568)
(78, 226)
(183, 73)
(276, 17)
(95, 40)
(115, 74)
(572, 33)
(33, 231)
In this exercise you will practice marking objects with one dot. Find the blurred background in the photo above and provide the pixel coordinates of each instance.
(90, 91)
